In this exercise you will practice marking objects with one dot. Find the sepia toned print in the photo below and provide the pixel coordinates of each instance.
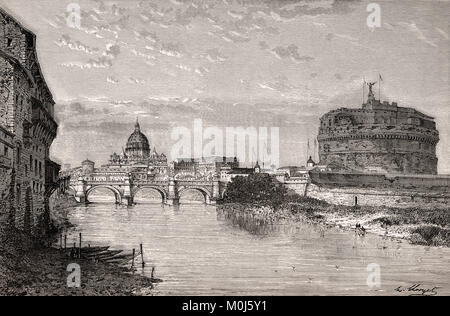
(224, 148)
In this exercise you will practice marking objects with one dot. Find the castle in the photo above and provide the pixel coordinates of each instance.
(380, 154)
(380, 137)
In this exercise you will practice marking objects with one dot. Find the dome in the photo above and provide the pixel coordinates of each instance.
(138, 145)
(87, 162)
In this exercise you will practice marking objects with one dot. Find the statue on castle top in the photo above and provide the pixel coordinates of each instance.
(371, 96)
(371, 84)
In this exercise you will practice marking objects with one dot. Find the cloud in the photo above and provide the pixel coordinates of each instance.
(352, 40)
(213, 56)
(192, 12)
(412, 27)
(291, 52)
(147, 57)
(146, 35)
(112, 51)
(136, 80)
(66, 41)
(184, 67)
(112, 80)
(286, 11)
(99, 63)
(73, 109)
(235, 15)
(443, 33)
(201, 71)
(171, 50)
(263, 45)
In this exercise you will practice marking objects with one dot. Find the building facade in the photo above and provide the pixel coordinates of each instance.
(380, 137)
(27, 128)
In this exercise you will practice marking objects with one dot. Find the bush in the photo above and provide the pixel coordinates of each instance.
(433, 235)
(256, 189)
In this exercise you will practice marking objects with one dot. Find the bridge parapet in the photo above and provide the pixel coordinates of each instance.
(125, 187)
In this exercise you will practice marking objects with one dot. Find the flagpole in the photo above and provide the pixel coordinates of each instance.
(364, 90)
(307, 151)
(379, 87)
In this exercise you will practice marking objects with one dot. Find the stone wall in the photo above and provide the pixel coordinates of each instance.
(388, 181)
(373, 189)
(297, 186)
(5, 182)
(26, 112)
(376, 197)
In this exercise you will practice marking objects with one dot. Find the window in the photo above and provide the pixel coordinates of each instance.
(9, 42)
(19, 153)
(5, 151)
(40, 169)
(18, 195)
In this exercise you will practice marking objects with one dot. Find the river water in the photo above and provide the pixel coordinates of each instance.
(198, 251)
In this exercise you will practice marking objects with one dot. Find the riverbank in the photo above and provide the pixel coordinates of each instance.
(422, 225)
(29, 269)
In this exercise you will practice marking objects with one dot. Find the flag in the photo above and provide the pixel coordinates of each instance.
(381, 78)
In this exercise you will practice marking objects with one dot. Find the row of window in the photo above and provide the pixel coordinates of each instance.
(5, 152)
(38, 188)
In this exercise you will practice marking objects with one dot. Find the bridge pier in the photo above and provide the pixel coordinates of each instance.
(80, 191)
(128, 200)
(173, 201)
(127, 192)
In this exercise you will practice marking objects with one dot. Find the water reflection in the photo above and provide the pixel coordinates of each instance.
(199, 251)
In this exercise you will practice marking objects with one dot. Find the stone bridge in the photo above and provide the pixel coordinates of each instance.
(125, 188)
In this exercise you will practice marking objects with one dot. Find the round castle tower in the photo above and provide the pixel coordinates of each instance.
(379, 137)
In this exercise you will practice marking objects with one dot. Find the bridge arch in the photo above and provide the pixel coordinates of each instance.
(206, 194)
(71, 189)
(116, 192)
(162, 192)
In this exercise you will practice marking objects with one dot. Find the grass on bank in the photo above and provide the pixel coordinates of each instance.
(426, 225)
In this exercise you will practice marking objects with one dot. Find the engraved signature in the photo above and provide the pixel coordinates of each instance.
(417, 290)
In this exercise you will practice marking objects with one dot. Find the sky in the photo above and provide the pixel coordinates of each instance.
(259, 63)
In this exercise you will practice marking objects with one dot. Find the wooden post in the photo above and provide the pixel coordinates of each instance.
(65, 241)
(134, 255)
(142, 256)
(79, 253)
(60, 241)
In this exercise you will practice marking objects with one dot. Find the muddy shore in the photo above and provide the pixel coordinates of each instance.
(421, 225)
(27, 268)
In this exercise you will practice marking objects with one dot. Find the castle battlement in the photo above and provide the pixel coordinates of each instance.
(379, 136)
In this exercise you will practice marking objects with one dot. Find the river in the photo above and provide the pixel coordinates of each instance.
(198, 251)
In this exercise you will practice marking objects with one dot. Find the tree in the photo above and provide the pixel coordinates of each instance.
(256, 189)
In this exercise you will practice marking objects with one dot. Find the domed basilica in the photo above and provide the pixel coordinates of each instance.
(137, 151)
